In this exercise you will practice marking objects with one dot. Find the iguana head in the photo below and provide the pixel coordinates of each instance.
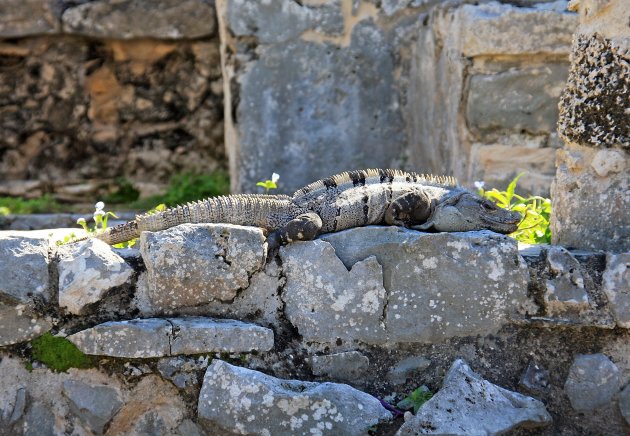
(463, 211)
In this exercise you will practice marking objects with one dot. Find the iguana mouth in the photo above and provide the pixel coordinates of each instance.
(506, 225)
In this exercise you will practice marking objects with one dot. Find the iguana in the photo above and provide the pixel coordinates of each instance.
(349, 199)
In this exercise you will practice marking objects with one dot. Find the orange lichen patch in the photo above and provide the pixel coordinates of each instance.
(141, 54)
(105, 94)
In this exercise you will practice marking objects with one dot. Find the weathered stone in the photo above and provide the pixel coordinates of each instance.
(20, 324)
(182, 370)
(438, 285)
(524, 100)
(624, 403)
(87, 270)
(154, 407)
(138, 338)
(24, 267)
(582, 197)
(13, 409)
(127, 19)
(565, 290)
(616, 285)
(592, 381)
(467, 404)
(535, 378)
(19, 18)
(194, 264)
(204, 335)
(157, 337)
(39, 420)
(297, 97)
(496, 29)
(406, 367)
(348, 366)
(95, 405)
(250, 402)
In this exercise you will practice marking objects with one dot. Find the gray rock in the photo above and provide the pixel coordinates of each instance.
(592, 381)
(260, 19)
(95, 405)
(157, 337)
(182, 370)
(565, 290)
(438, 285)
(188, 428)
(616, 285)
(12, 408)
(165, 19)
(24, 266)
(497, 29)
(349, 366)
(39, 420)
(467, 404)
(204, 335)
(298, 97)
(624, 403)
(194, 264)
(19, 324)
(87, 270)
(535, 378)
(406, 367)
(20, 18)
(516, 100)
(250, 402)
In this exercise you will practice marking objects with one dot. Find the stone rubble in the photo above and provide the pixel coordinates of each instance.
(616, 281)
(592, 382)
(467, 404)
(95, 405)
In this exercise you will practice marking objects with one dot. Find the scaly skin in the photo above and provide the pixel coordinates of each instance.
(351, 199)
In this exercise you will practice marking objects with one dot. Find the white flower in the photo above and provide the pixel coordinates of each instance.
(479, 184)
(99, 206)
(275, 177)
(81, 221)
(98, 212)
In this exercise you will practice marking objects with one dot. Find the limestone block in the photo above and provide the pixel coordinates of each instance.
(127, 19)
(591, 211)
(592, 381)
(194, 264)
(565, 290)
(157, 337)
(497, 29)
(308, 94)
(616, 285)
(348, 366)
(20, 324)
(467, 404)
(87, 270)
(516, 100)
(24, 266)
(250, 402)
(19, 18)
(94, 404)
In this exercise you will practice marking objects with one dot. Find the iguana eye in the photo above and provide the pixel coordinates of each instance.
(487, 206)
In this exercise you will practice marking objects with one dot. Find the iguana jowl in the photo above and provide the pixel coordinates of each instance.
(350, 199)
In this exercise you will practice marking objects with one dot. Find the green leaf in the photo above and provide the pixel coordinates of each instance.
(511, 187)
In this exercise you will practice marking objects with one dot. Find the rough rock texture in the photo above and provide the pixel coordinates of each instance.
(592, 382)
(617, 287)
(19, 324)
(129, 19)
(20, 18)
(87, 270)
(80, 114)
(95, 405)
(361, 284)
(349, 366)
(591, 184)
(194, 264)
(624, 403)
(24, 267)
(467, 404)
(565, 290)
(407, 367)
(250, 402)
(157, 337)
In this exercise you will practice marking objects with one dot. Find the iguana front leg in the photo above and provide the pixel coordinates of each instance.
(304, 227)
(414, 207)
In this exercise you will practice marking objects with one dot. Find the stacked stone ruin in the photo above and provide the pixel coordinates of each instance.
(199, 329)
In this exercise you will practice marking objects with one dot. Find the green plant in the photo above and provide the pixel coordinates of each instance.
(58, 354)
(16, 205)
(270, 184)
(534, 228)
(415, 399)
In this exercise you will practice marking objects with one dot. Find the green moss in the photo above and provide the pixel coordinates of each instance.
(17, 205)
(59, 354)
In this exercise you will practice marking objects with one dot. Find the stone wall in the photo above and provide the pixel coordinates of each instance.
(94, 91)
(217, 334)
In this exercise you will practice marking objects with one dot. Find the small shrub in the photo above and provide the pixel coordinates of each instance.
(534, 229)
(415, 399)
(58, 354)
(16, 205)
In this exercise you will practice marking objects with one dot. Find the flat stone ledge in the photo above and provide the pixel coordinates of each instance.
(157, 337)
